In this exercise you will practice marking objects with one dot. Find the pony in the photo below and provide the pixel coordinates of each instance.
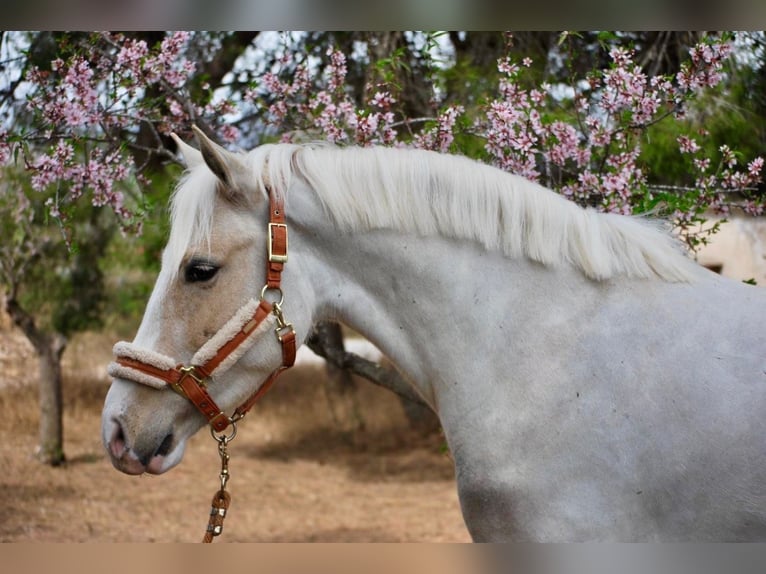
(592, 381)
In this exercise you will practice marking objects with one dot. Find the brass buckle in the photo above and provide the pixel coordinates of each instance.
(283, 328)
(188, 372)
(275, 257)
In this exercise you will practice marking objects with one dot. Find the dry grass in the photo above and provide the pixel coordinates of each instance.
(307, 465)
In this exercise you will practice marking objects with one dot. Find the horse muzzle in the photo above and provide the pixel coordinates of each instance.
(128, 455)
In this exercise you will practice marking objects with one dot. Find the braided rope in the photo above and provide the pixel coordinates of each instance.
(218, 510)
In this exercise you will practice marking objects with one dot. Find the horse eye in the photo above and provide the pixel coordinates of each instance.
(199, 272)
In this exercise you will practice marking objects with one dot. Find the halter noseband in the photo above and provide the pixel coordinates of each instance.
(227, 346)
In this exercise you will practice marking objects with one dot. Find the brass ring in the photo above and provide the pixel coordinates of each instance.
(223, 438)
(281, 295)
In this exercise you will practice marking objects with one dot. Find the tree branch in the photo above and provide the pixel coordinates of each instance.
(684, 189)
(333, 352)
(25, 322)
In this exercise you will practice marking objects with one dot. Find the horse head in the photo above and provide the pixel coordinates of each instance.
(214, 328)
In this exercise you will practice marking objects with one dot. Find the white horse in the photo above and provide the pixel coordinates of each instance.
(593, 382)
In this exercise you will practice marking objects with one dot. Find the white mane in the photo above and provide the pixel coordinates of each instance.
(428, 193)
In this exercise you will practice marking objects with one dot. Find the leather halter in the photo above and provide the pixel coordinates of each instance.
(191, 381)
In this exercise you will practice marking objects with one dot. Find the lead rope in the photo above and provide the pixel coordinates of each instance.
(221, 499)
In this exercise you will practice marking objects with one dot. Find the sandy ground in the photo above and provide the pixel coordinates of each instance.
(310, 464)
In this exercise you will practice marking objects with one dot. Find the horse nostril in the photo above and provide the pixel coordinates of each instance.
(117, 441)
(165, 446)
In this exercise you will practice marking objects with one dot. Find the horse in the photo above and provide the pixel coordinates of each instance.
(593, 382)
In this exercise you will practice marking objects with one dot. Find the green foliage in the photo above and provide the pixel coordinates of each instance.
(131, 263)
(61, 288)
(719, 117)
(103, 278)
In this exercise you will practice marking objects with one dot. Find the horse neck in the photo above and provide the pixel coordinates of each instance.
(434, 306)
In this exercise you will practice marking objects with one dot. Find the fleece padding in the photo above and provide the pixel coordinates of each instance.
(242, 317)
(118, 371)
(227, 332)
(131, 351)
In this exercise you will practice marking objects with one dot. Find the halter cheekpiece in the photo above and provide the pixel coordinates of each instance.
(227, 346)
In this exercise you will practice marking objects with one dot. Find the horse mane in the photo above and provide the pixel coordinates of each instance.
(428, 193)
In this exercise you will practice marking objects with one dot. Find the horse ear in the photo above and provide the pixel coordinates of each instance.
(192, 157)
(227, 166)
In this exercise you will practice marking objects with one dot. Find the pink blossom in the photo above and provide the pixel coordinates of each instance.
(754, 167)
(365, 127)
(702, 164)
(621, 57)
(272, 83)
(176, 108)
(337, 69)
(537, 97)
(687, 144)
(322, 98)
(728, 156)
(505, 66)
(583, 156)
(230, 133)
(587, 149)
(130, 55)
(441, 136)
(752, 208)
(5, 148)
(382, 100)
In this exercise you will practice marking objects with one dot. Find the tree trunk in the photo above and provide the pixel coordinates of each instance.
(49, 348)
(51, 447)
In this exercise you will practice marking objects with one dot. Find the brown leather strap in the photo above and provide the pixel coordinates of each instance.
(263, 311)
(277, 256)
(195, 392)
(188, 381)
(170, 376)
(289, 348)
(249, 403)
(185, 382)
(277, 252)
(288, 360)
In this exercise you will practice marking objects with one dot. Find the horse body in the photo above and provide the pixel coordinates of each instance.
(624, 408)
(574, 410)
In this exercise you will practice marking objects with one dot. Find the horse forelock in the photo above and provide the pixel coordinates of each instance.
(428, 193)
(191, 214)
